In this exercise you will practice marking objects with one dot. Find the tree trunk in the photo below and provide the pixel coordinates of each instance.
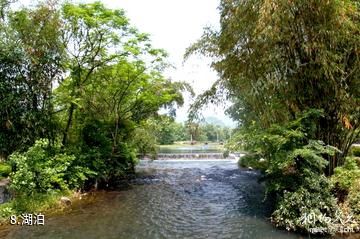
(68, 124)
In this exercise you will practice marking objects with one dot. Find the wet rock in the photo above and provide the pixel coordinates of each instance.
(65, 200)
(4, 195)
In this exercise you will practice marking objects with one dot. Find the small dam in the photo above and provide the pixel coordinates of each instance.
(161, 156)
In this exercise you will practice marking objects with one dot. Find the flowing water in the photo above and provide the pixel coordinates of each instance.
(199, 148)
(169, 199)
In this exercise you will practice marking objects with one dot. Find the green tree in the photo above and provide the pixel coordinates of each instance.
(95, 36)
(195, 132)
(279, 58)
(114, 86)
(30, 64)
(180, 132)
(111, 118)
(291, 69)
(108, 79)
(211, 132)
(166, 130)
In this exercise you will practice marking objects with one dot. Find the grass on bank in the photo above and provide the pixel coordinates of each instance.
(46, 204)
(5, 170)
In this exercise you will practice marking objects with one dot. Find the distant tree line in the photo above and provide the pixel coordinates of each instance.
(168, 131)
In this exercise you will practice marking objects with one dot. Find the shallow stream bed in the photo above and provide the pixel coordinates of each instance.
(169, 199)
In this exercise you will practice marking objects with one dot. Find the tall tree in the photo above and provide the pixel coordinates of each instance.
(279, 58)
(113, 85)
(30, 58)
(94, 37)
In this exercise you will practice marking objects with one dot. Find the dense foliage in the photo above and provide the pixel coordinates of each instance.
(5, 170)
(43, 168)
(345, 176)
(346, 183)
(293, 162)
(81, 90)
(277, 59)
(167, 131)
(291, 70)
(79, 86)
(355, 151)
(30, 63)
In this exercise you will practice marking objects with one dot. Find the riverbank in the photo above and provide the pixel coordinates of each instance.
(51, 203)
(168, 199)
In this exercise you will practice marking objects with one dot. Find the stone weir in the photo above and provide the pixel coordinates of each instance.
(190, 156)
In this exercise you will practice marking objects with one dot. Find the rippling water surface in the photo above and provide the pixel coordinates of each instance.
(170, 199)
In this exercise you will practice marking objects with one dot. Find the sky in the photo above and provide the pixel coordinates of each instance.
(174, 25)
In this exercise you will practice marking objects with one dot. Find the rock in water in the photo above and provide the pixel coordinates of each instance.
(65, 200)
(4, 195)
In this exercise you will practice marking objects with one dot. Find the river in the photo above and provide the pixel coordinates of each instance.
(169, 199)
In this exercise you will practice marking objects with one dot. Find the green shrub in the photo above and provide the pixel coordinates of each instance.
(106, 161)
(345, 176)
(34, 203)
(307, 207)
(294, 169)
(37, 202)
(108, 167)
(44, 168)
(354, 199)
(357, 160)
(355, 151)
(5, 170)
(6, 210)
(144, 141)
(346, 184)
(254, 161)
